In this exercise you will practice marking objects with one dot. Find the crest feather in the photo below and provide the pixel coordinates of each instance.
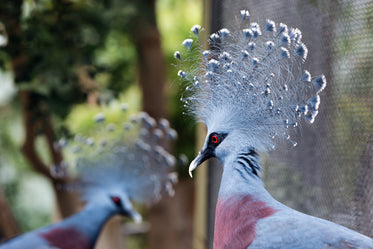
(130, 158)
(251, 79)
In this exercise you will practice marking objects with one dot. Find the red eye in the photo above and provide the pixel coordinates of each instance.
(214, 139)
(115, 199)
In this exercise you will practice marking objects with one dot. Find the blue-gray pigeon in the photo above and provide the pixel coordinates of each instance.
(250, 90)
(123, 165)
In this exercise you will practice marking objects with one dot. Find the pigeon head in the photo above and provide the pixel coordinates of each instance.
(113, 198)
(210, 149)
(124, 165)
(250, 86)
(123, 206)
(222, 144)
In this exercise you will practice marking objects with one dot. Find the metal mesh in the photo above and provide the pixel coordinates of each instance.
(330, 173)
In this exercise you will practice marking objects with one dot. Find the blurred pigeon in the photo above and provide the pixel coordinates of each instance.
(127, 164)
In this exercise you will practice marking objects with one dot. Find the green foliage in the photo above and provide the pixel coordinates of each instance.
(184, 14)
(33, 202)
(118, 56)
(81, 118)
(59, 38)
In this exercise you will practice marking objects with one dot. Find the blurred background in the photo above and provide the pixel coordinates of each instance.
(62, 61)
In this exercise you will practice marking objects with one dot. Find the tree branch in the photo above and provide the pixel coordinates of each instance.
(31, 124)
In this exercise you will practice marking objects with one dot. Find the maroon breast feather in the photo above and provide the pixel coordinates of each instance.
(67, 238)
(235, 221)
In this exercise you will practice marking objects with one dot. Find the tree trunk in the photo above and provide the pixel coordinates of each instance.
(151, 63)
(175, 212)
(172, 219)
(8, 225)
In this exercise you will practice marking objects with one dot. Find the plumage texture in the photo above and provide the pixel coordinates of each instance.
(125, 164)
(250, 79)
(250, 89)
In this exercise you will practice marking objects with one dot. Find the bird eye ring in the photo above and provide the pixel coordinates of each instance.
(214, 139)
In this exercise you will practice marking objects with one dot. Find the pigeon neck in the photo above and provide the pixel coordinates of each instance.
(82, 228)
(241, 176)
(91, 219)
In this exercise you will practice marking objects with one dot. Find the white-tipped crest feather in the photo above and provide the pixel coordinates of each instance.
(252, 80)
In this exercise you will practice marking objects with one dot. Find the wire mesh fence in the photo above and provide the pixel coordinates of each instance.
(329, 173)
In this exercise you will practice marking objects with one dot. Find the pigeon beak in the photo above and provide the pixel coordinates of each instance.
(194, 164)
(130, 212)
(137, 218)
(202, 156)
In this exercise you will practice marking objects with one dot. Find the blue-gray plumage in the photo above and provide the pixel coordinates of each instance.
(81, 230)
(249, 90)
